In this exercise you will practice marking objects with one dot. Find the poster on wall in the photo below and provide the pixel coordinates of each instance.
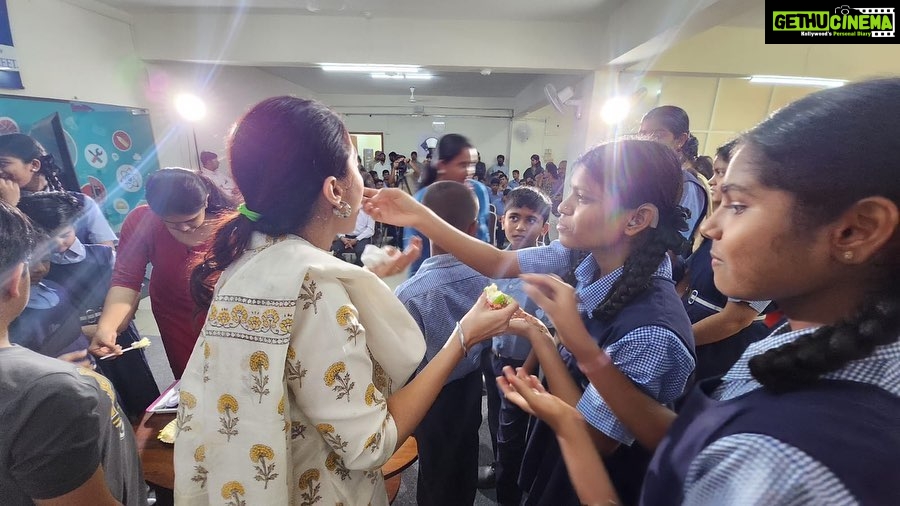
(9, 65)
(111, 148)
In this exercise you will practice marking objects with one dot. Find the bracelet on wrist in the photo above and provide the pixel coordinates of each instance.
(595, 363)
(462, 339)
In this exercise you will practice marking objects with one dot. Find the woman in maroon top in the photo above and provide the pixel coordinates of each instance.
(167, 234)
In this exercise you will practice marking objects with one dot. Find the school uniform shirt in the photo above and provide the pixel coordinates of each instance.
(439, 294)
(758, 469)
(484, 211)
(653, 357)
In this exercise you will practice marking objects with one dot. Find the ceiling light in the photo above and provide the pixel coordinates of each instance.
(384, 75)
(798, 81)
(364, 67)
(615, 110)
(190, 107)
(396, 75)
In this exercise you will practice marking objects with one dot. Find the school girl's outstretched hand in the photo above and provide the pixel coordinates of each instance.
(392, 206)
(482, 322)
(526, 391)
(557, 298)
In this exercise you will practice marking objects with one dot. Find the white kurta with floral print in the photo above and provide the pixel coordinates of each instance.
(283, 400)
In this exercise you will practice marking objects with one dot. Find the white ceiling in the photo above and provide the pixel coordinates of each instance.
(445, 83)
(499, 10)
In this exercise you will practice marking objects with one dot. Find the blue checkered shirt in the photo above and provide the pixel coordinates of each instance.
(653, 357)
(760, 470)
(440, 293)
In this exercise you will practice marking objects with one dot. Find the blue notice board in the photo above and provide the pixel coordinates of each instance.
(111, 147)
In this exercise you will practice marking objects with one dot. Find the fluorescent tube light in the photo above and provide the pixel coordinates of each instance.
(798, 81)
(362, 67)
(386, 75)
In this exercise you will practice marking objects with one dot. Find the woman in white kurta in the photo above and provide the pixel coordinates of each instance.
(295, 390)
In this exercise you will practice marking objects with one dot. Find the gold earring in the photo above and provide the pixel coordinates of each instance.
(848, 255)
(343, 210)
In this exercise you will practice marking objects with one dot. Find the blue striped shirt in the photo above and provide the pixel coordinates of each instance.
(653, 357)
(757, 469)
(440, 293)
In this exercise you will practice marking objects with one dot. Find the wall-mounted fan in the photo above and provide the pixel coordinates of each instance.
(522, 132)
(562, 99)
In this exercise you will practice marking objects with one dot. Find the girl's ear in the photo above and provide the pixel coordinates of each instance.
(332, 191)
(12, 285)
(645, 216)
(35, 165)
(863, 230)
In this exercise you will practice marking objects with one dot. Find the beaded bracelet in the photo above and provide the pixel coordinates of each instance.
(462, 339)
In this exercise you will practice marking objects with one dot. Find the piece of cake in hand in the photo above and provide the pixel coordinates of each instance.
(495, 298)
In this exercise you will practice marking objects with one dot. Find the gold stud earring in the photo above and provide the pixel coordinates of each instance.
(848, 255)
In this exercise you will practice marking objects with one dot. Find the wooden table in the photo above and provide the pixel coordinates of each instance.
(157, 457)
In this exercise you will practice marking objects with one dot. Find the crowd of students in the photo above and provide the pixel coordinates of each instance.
(632, 366)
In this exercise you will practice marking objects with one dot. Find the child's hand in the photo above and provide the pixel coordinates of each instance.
(79, 358)
(526, 392)
(482, 322)
(399, 261)
(557, 298)
(104, 342)
(528, 326)
(10, 192)
(392, 206)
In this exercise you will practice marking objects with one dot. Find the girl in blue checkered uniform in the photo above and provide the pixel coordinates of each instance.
(623, 210)
(809, 415)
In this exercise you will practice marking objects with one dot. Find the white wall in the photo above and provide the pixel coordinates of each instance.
(227, 91)
(71, 53)
(404, 134)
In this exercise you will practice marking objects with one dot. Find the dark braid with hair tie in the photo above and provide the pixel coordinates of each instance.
(644, 260)
(803, 361)
(51, 172)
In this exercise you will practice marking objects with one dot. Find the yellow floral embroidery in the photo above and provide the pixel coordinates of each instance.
(201, 472)
(335, 464)
(264, 472)
(281, 406)
(287, 325)
(223, 318)
(234, 491)
(373, 442)
(309, 485)
(239, 314)
(331, 437)
(259, 362)
(346, 319)
(344, 314)
(206, 353)
(372, 397)
(291, 354)
(309, 294)
(186, 401)
(228, 406)
(339, 382)
(379, 377)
